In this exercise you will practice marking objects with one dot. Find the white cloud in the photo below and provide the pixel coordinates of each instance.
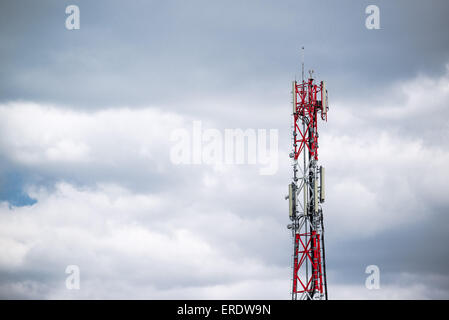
(202, 231)
(40, 134)
(383, 175)
(118, 238)
(13, 253)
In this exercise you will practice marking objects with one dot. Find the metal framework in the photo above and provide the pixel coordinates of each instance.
(306, 192)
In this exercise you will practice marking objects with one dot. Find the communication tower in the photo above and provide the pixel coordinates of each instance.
(306, 192)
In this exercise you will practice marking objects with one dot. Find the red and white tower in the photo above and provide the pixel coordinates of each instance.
(306, 191)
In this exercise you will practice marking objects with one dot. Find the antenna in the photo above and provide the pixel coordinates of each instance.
(311, 73)
(302, 63)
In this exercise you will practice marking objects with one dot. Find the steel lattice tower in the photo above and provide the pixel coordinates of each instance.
(306, 191)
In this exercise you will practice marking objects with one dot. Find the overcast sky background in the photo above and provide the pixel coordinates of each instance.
(85, 171)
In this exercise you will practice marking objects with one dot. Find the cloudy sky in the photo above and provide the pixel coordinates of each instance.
(86, 119)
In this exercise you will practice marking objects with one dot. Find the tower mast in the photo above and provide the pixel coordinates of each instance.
(306, 191)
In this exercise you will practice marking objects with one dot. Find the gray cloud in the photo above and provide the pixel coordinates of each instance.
(159, 53)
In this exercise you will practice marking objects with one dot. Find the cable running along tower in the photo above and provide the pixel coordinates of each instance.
(306, 191)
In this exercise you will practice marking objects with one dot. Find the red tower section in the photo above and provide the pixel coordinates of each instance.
(306, 106)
